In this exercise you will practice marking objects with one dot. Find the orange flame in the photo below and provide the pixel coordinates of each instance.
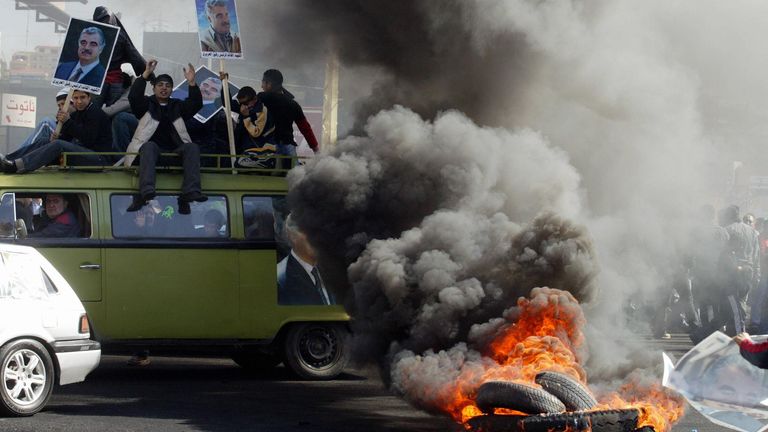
(547, 336)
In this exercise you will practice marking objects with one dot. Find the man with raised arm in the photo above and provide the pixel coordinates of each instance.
(161, 129)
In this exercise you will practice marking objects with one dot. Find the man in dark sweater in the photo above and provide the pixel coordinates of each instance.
(284, 111)
(161, 129)
(87, 129)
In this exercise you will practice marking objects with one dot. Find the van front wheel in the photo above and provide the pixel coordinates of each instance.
(317, 351)
(27, 372)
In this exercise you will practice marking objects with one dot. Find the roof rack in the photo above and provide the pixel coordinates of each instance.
(218, 168)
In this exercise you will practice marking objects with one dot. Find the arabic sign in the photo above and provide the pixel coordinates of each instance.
(85, 55)
(218, 29)
(719, 383)
(19, 110)
(210, 88)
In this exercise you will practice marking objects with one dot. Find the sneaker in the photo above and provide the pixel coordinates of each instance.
(194, 196)
(140, 201)
(137, 204)
(6, 165)
(138, 360)
(184, 207)
(665, 336)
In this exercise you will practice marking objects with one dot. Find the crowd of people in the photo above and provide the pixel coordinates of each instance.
(123, 119)
(722, 287)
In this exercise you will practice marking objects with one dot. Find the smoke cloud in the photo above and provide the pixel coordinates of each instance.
(510, 144)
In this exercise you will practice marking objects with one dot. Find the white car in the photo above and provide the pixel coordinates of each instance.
(44, 332)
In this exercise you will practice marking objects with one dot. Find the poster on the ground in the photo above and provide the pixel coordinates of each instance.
(721, 384)
(218, 29)
(85, 55)
(19, 110)
(210, 87)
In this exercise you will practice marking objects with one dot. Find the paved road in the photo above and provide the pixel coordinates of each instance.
(215, 395)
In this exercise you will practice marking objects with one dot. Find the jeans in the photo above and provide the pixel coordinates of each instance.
(123, 126)
(286, 150)
(42, 132)
(35, 157)
(149, 156)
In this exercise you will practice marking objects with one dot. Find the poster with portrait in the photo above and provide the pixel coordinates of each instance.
(85, 55)
(721, 384)
(218, 29)
(210, 87)
(299, 276)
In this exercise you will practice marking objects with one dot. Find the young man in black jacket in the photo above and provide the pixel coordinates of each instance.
(161, 129)
(284, 111)
(87, 129)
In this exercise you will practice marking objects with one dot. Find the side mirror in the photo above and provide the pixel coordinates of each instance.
(21, 229)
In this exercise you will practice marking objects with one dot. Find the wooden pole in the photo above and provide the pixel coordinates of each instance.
(228, 112)
(67, 102)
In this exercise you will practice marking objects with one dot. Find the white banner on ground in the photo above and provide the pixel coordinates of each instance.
(719, 383)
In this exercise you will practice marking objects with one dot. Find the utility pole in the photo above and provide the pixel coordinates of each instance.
(330, 102)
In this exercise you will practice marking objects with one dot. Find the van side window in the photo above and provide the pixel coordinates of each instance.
(55, 214)
(262, 217)
(21, 277)
(160, 219)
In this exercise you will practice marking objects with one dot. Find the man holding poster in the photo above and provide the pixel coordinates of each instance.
(218, 32)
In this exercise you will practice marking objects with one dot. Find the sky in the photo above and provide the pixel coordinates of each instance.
(20, 32)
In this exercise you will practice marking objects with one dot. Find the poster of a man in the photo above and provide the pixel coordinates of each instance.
(210, 88)
(86, 51)
(218, 29)
(298, 278)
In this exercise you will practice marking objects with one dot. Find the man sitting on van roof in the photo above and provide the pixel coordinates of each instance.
(161, 129)
(58, 220)
(87, 129)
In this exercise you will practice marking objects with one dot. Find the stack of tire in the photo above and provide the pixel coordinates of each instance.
(561, 404)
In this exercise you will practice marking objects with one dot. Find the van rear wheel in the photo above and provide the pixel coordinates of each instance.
(317, 351)
(27, 377)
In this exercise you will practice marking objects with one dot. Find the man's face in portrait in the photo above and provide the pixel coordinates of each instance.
(210, 89)
(218, 16)
(89, 48)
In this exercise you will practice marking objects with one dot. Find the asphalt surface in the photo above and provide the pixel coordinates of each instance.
(174, 394)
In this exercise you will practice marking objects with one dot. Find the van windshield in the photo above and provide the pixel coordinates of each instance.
(160, 219)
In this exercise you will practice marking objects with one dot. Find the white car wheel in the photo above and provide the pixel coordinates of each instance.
(27, 377)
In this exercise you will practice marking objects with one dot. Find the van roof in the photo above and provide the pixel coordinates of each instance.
(57, 179)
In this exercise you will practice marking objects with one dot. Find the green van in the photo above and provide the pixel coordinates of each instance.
(227, 279)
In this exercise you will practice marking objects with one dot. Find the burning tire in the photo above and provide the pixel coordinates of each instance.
(568, 390)
(317, 351)
(519, 397)
(597, 421)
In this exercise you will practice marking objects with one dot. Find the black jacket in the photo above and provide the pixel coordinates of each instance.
(186, 109)
(284, 111)
(90, 128)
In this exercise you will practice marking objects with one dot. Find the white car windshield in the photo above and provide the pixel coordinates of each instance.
(21, 277)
